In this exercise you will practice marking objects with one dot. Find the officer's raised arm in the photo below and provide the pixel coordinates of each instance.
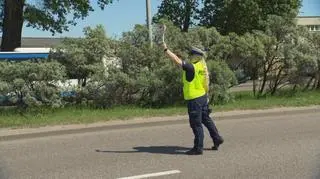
(173, 56)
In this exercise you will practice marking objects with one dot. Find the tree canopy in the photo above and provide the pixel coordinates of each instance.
(181, 13)
(41, 14)
(239, 16)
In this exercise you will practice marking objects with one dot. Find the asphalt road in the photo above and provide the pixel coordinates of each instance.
(268, 147)
(242, 87)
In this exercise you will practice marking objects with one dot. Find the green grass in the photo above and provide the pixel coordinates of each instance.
(80, 116)
(243, 100)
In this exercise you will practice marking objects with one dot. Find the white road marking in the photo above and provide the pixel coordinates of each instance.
(153, 174)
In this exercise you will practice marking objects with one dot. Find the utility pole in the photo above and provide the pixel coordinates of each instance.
(148, 14)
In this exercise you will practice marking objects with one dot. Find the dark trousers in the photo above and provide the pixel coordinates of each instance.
(198, 110)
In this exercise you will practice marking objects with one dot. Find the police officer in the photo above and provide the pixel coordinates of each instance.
(195, 91)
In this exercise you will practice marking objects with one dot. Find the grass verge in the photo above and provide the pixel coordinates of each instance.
(243, 100)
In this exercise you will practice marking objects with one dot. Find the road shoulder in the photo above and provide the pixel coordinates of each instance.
(12, 134)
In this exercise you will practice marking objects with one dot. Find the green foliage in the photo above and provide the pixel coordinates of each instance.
(31, 84)
(130, 72)
(257, 38)
(279, 56)
(313, 40)
(221, 79)
(1, 14)
(225, 15)
(264, 50)
(230, 16)
(181, 13)
(53, 15)
(83, 57)
(211, 15)
(76, 115)
(245, 15)
(137, 37)
(144, 76)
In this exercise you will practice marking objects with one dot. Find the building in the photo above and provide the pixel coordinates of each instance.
(312, 22)
(39, 42)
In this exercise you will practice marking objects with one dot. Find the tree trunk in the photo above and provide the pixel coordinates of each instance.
(12, 24)
(294, 87)
(265, 75)
(187, 16)
(254, 87)
(308, 84)
(254, 78)
(315, 83)
(84, 83)
(318, 76)
(277, 82)
(263, 82)
(318, 84)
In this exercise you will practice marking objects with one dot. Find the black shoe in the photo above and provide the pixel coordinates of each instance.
(217, 144)
(194, 152)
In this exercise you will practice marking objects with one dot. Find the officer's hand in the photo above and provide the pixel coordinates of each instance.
(164, 45)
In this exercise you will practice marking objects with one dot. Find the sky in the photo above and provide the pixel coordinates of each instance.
(122, 15)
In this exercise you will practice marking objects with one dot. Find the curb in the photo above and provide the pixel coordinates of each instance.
(156, 121)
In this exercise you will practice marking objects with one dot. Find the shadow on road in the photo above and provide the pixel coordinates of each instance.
(173, 150)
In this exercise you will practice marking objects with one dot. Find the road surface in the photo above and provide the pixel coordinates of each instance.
(285, 146)
(247, 86)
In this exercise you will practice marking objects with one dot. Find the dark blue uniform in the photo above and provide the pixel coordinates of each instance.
(199, 113)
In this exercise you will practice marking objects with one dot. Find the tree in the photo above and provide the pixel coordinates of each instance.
(248, 54)
(31, 84)
(279, 56)
(1, 13)
(314, 40)
(230, 16)
(181, 13)
(45, 15)
(84, 56)
(146, 77)
(284, 8)
(212, 14)
(241, 16)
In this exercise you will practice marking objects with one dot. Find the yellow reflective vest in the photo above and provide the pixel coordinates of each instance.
(200, 83)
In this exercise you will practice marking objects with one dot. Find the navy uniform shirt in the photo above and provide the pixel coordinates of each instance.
(188, 67)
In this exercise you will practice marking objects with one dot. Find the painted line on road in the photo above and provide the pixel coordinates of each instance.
(153, 174)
